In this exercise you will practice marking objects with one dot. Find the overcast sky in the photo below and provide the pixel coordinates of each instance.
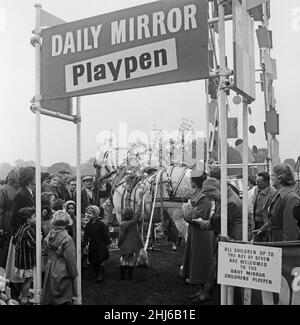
(141, 109)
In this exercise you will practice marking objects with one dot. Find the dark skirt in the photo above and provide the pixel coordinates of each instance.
(198, 256)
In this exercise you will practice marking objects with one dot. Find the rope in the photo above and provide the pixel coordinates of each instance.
(143, 215)
(152, 212)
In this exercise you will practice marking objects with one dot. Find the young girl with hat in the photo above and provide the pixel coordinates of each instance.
(71, 210)
(59, 286)
(96, 237)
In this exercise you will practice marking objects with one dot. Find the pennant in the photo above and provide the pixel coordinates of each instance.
(272, 122)
(272, 100)
(213, 106)
(268, 63)
(232, 128)
(251, 158)
(49, 20)
(250, 4)
(275, 152)
(274, 69)
(255, 9)
(264, 37)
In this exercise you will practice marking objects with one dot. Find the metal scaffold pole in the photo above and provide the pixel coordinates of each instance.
(78, 198)
(38, 277)
(223, 131)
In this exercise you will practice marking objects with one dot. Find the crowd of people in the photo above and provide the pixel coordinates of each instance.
(273, 216)
(58, 212)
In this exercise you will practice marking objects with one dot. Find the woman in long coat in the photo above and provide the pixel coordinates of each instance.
(199, 249)
(282, 224)
(7, 194)
(61, 270)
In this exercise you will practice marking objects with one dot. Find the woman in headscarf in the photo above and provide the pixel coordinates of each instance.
(199, 249)
(7, 194)
(96, 236)
(71, 210)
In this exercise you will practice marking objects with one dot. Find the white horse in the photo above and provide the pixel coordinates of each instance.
(137, 188)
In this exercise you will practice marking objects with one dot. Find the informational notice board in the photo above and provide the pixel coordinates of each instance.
(249, 266)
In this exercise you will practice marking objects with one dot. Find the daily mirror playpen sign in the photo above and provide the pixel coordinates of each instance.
(158, 43)
(249, 266)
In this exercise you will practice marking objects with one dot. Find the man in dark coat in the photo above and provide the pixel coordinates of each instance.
(62, 190)
(88, 194)
(71, 188)
(25, 197)
(261, 202)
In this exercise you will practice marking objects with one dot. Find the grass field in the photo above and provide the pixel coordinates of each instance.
(158, 284)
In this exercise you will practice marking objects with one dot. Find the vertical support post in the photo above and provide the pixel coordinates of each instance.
(266, 91)
(78, 198)
(38, 284)
(150, 157)
(172, 152)
(247, 291)
(117, 157)
(245, 170)
(223, 131)
(160, 152)
(183, 146)
(161, 202)
(207, 153)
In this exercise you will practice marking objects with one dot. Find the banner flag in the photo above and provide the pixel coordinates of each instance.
(49, 20)
(290, 278)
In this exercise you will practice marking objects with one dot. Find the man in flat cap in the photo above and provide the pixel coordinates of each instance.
(88, 194)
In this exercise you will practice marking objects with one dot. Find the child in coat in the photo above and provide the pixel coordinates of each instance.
(96, 237)
(130, 242)
(25, 241)
(59, 285)
(84, 254)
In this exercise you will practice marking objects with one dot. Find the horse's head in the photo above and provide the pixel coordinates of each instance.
(104, 165)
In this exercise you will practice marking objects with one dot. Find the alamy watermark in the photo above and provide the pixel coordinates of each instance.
(177, 145)
(3, 20)
(296, 20)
